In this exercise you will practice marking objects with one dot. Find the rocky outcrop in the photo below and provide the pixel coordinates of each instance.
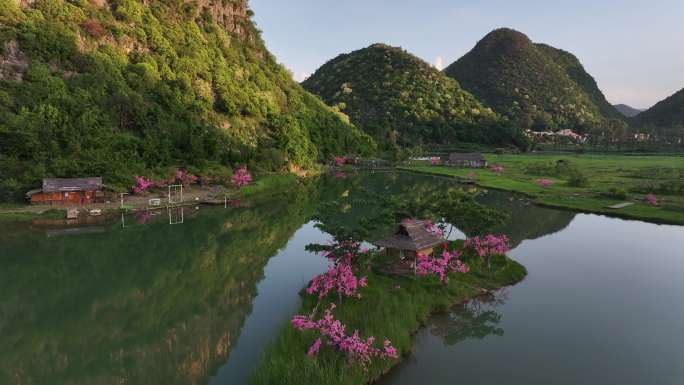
(231, 14)
(13, 62)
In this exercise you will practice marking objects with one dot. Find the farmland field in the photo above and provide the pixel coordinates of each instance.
(586, 182)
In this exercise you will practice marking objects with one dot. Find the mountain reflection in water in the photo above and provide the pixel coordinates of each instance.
(139, 301)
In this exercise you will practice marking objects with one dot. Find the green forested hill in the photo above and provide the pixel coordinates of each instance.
(667, 115)
(536, 85)
(401, 100)
(575, 70)
(119, 87)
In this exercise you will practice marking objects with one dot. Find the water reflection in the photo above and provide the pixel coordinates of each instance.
(145, 304)
(475, 319)
(525, 220)
(142, 302)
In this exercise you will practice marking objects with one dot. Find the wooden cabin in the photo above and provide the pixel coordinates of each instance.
(411, 238)
(467, 160)
(74, 191)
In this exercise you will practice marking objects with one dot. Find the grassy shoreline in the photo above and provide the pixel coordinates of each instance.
(603, 173)
(262, 186)
(391, 308)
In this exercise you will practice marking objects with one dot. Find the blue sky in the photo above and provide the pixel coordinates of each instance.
(634, 49)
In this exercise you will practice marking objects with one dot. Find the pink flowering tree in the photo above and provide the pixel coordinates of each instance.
(441, 266)
(651, 200)
(334, 334)
(343, 277)
(496, 169)
(340, 161)
(185, 178)
(546, 183)
(488, 246)
(340, 278)
(142, 184)
(241, 177)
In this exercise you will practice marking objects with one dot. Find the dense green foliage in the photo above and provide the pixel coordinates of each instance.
(537, 86)
(401, 100)
(131, 87)
(665, 119)
(575, 70)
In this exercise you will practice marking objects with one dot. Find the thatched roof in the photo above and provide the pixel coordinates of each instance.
(460, 157)
(72, 184)
(411, 235)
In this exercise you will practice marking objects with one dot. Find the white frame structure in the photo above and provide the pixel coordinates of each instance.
(175, 220)
(181, 194)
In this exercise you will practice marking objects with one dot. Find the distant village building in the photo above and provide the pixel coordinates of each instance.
(551, 136)
(468, 160)
(68, 191)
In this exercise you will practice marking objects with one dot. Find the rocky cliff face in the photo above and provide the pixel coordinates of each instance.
(232, 15)
(13, 62)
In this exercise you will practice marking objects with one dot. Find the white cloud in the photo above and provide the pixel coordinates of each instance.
(439, 63)
(301, 76)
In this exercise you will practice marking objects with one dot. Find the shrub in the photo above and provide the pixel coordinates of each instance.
(617, 193)
(577, 179)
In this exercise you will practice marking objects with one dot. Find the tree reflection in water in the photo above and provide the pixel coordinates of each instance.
(475, 319)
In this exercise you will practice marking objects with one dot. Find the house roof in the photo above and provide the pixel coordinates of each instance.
(411, 235)
(72, 184)
(458, 156)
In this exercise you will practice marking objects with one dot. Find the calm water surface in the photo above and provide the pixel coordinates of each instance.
(602, 305)
(198, 301)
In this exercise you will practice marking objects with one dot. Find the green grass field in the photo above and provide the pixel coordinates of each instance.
(635, 176)
(391, 307)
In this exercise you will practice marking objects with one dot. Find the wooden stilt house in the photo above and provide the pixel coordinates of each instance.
(411, 238)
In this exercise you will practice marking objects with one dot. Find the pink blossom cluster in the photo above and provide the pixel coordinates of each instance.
(185, 178)
(142, 184)
(545, 182)
(241, 177)
(489, 245)
(496, 169)
(434, 229)
(339, 277)
(340, 160)
(449, 261)
(651, 200)
(334, 332)
(436, 161)
(343, 251)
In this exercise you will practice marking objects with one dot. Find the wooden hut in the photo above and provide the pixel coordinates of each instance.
(411, 238)
(68, 191)
(467, 160)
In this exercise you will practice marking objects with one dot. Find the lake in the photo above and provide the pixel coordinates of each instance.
(194, 296)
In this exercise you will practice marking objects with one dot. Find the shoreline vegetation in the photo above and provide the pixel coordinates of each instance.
(583, 183)
(391, 308)
(262, 186)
